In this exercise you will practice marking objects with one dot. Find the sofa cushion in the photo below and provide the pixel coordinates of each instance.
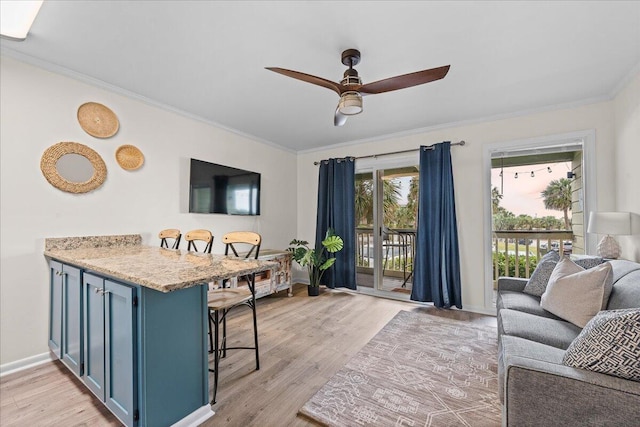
(514, 346)
(515, 284)
(522, 302)
(622, 267)
(626, 290)
(575, 294)
(553, 332)
(540, 276)
(609, 344)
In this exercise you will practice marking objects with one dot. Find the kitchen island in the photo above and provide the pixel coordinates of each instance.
(131, 322)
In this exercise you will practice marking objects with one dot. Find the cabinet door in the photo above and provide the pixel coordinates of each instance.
(120, 328)
(55, 307)
(72, 319)
(94, 334)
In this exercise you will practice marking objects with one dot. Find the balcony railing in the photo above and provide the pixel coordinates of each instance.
(398, 250)
(516, 253)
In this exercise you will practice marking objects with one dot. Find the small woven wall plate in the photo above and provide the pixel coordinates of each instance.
(98, 120)
(129, 157)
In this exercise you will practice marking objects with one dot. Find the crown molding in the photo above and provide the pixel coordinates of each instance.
(449, 125)
(6, 51)
(58, 69)
(625, 81)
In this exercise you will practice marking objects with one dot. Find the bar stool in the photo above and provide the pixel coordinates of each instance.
(222, 300)
(194, 236)
(170, 233)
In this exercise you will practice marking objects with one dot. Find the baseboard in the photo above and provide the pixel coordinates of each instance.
(480, 310)
(26, 363)
(393, 296)
(196, 418)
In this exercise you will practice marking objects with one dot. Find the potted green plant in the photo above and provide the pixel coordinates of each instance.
(316, 261)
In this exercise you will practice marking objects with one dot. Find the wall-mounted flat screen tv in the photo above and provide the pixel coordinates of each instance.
(222, 189)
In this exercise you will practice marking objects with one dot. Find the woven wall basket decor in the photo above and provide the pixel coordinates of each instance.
(98, 120)
(49, 161)
(129, 157)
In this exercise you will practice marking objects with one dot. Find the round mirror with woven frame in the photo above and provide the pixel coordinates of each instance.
(49, 163)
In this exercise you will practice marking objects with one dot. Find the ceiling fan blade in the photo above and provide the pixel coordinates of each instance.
(404, 81)
(339, 118)
(336, 87)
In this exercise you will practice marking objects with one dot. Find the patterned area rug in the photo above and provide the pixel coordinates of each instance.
(419, 370)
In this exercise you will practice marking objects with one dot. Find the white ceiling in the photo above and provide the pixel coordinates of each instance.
(207, 58)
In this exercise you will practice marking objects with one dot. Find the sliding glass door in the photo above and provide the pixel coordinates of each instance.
(386, 213)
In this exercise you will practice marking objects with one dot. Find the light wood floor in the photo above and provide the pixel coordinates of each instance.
(303, 342)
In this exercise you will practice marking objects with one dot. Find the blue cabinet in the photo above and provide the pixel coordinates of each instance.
(55, 308)
(94, 369)
(143, 353)
(110, 337)
(65, 315)
(72, 319)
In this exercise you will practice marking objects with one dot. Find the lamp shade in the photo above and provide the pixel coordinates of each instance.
(350, 103)
(616, 223)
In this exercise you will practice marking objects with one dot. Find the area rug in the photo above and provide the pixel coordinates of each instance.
(419, 370)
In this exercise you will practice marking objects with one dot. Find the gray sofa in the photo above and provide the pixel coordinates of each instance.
(535, 388)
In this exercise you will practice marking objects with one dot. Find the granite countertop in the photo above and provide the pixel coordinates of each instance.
(165, 270)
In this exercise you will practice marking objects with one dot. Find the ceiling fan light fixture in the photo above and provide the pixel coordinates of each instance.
(350, 103)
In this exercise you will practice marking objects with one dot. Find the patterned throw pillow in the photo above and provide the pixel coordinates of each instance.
(537, 284)
(588, 262)
(540, 276)
(609, 344)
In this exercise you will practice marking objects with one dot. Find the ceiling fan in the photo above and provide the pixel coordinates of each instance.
(351, 89)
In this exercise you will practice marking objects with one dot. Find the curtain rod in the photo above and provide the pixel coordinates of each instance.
(428, 147)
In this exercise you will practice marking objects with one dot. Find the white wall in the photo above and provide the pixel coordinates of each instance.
(38, 109)
(627, 131)
(468, 174)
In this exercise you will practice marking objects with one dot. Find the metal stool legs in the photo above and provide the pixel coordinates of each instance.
(255, 331)
(216, 357)
(220, 348)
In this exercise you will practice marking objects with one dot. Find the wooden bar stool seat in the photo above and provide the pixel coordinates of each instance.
(227, 297)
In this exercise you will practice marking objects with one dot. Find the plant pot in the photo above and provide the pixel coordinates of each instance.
(313, 291)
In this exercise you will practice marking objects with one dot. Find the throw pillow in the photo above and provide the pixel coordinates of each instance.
(575, 294)
(540, 276)
(588, 262)
(609, 344)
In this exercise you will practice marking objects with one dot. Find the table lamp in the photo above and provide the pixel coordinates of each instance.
(608, 223)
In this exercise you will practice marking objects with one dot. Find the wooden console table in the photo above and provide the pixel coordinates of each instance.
(272, 281)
